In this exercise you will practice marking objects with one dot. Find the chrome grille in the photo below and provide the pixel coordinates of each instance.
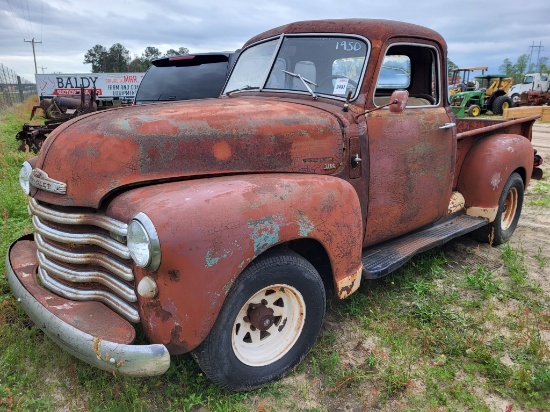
(79, 260)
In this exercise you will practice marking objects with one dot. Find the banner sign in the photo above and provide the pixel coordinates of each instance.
(121, 86)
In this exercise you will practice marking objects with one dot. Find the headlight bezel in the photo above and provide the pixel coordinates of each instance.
(142, 223)
(25, 177)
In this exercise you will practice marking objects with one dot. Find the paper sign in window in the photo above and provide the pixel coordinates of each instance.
(340, 86)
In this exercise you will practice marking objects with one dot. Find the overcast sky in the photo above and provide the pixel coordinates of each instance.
(478, 33)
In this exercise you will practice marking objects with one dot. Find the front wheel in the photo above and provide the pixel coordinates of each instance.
(500, 104)
(509, 210)
(268, 323)
(474, 110)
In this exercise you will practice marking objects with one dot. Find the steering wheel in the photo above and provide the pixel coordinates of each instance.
(325, 80)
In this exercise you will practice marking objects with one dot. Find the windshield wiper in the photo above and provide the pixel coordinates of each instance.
(247, 87)
(304, 80)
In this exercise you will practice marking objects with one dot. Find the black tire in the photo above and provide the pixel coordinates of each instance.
(501, 103)
(509, 210)
(233, 355)
(474, 110)
(515, 99)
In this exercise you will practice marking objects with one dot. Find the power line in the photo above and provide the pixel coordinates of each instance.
(25, 17)
(30, 20)
(41, 19)
(16, 22)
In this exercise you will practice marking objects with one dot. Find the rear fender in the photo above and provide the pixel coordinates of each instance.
(211, 229)
(486, 168)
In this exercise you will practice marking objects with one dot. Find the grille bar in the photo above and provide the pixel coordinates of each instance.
(105, 261)
(104, 222)
(78, 260)
(96, 239)
(111, 300)
(88, 276)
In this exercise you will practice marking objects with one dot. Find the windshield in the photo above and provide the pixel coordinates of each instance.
(308, 64)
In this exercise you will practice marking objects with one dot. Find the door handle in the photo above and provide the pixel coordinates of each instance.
(448, 126)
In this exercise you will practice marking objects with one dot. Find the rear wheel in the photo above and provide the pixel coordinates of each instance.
(268, 323)
(500, 104)
(474, 110)
(509, 210)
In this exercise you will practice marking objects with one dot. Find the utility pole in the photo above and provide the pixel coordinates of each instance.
(531, 55)
(43, 69)
(33, 53)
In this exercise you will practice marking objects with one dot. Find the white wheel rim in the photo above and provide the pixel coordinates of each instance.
(254, 347)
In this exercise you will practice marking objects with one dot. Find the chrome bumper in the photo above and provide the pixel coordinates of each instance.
(94, 340)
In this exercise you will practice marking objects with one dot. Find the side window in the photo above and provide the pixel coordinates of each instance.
(409, 67)
(395, 72)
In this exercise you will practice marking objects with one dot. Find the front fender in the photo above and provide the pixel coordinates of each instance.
(211, 229)
(486, 168)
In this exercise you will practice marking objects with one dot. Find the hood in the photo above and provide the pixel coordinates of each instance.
(102, 152)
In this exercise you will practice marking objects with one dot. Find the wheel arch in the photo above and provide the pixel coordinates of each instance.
(486, 169)
(210, 230)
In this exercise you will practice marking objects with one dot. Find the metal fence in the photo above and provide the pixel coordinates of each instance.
(13, 89)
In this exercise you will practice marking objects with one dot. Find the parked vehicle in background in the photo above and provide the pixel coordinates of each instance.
(536, 82)
(214, 226)
(489, 96)
(190, 76)
(460, 80)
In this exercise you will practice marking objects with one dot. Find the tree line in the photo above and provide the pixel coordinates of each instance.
(117, 59)
(516, 69)
(523, 66)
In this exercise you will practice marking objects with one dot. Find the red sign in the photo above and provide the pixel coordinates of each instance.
(66, 92)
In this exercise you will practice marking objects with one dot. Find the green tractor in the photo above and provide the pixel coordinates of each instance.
(490, 96)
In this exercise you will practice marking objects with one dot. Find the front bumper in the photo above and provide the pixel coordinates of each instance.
(88, 330)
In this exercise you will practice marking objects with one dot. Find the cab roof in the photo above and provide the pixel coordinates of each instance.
(372, 29)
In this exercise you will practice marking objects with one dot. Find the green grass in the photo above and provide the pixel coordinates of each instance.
(434, 336)
(541, 194)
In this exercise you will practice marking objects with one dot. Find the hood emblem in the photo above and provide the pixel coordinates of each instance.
(41, 180)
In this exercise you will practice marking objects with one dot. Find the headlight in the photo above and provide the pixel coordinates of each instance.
(24, 177)
(143, 242)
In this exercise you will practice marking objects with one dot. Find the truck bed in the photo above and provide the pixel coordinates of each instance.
(467, 127)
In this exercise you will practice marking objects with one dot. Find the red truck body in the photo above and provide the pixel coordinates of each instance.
(179, 216)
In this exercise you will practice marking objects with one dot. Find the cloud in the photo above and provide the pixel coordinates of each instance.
(476, 33)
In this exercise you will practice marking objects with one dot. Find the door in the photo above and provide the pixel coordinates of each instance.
(411, 154)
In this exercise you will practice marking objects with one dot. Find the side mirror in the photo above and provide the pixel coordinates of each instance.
(398, 101)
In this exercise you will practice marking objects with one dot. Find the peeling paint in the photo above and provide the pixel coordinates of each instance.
(495, 180)
(265, 233)
(211, 260)
(306, 226)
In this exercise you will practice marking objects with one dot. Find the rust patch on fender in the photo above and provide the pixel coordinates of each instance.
(154, 308)
(221, 150)
(174, 275)
(346, 286)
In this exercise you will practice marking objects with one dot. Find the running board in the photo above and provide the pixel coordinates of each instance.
(380, 260)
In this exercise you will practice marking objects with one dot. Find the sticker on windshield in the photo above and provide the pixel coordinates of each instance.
(340, 86)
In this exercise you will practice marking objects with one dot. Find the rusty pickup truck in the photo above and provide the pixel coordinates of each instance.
(215, 225)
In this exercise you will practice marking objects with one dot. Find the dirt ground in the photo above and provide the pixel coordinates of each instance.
(533, 232)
